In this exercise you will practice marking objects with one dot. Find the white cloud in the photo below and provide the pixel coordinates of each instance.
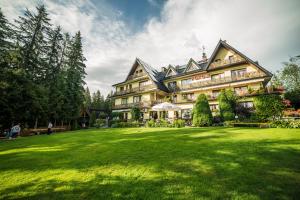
(266, 31)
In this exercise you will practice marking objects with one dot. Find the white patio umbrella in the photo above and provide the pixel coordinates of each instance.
(165, 107)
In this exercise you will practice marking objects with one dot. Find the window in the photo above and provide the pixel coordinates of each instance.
(238, 73)
(186, 81)
(174, 98)
(218, 60)
(137, 99)
(141, 71)
(121, 88)
(230, 58)
(188, 96)
(215, 94)
(172, 86)
(217, 76)
(124, 101)
(186, 113)
(241, 90)
(248, 104)
(214, 107)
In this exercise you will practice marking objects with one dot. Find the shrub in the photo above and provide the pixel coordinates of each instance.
(201, 112)
(92, 118)
(178, 123)
(162, 123)
(100, 123)
(227, 103)
(135, 113)
(285, 124)
(150, 123)
(121, 124)
(268, 105)
(116, 115)
(228, 123)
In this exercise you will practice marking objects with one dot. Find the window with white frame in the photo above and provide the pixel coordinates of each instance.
(247, 104)
(186, 81)
(217, 76)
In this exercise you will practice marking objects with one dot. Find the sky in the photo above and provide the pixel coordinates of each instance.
(162, 32)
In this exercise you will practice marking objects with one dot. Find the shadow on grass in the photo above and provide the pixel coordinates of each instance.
(187, 163)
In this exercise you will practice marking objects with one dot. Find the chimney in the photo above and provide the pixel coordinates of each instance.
(204, 57)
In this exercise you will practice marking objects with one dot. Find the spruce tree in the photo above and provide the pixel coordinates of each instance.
(202, 115)
(32, 30)
(227, 104)
(75, 75)
(5, 40)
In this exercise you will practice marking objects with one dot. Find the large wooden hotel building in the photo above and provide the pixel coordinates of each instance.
(145, 86)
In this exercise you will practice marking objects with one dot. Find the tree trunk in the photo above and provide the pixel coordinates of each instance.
(36, 123)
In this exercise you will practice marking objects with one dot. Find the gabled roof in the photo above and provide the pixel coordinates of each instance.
(190, 64)
(154, 75)
(171, 69)
(222, 43)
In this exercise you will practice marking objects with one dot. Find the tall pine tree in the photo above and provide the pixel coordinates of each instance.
(75, 75)
(32, 30)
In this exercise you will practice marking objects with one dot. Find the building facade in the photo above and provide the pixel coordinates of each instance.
(226, 68)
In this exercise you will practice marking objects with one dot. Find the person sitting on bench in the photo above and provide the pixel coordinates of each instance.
(15, 130)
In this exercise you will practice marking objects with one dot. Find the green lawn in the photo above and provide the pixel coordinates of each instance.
(142, 163)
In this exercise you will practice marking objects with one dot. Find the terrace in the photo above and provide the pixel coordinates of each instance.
(134, 90)
(228, 79)
(226, 62)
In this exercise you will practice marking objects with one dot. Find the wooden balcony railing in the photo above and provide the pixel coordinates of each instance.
(136, 89)
(141, 104)
(225, 62)
(228, 79)
(136, 76)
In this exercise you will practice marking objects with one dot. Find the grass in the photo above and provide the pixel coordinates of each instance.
(137, 163)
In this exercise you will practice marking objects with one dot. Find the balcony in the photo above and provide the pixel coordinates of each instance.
(226, 62)
(134, 90)
(228, 79)
(144, 104)
(134, 76)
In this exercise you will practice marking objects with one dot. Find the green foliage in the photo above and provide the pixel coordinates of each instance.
(130, 124)
(289, 76)
(100, 123)
(202, 115)
(135, 113)
(227, 103)
(162, 123)
(92, 118)
(116, 115)
(41, 71)
(97, 100)
(150, 123)
(294, 97)
(285, 124)
(268, 106)
(178, 123)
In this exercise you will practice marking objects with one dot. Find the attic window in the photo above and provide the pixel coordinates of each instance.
(218, 60)
(141, 71)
